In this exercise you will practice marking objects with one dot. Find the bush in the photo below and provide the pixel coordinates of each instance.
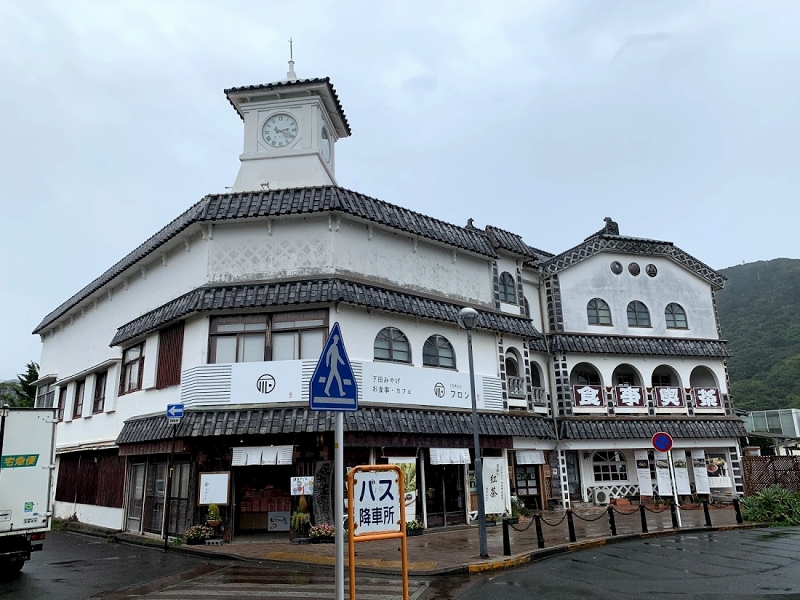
(412, 525)
(773, 505)
(198, 532)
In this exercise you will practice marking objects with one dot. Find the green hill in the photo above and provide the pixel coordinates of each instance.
(759, 310)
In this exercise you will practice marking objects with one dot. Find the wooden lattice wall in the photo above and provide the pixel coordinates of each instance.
(760, 472)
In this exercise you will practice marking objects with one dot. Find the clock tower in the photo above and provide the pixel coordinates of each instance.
(290, 129)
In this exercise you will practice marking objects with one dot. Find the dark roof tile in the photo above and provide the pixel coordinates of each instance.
(649, 346)
(626, 429)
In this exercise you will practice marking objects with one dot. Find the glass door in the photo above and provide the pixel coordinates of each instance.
(154, 493)
(179, 518)
(136, 498)
(444, 495)
(573, 475)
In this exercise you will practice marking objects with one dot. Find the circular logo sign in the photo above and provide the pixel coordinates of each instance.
(662, 441)
(265, 384)
(438, 389)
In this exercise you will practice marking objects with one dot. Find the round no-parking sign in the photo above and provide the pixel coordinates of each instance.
(662, 441)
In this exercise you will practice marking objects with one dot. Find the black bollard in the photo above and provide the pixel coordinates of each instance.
(506, 538)
(643, 517)
(611, 522)
(706, 513)
(738, 510)
(674, 514)
(571, 526)
(539, 534)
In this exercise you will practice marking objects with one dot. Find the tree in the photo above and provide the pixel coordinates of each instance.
(20, 393)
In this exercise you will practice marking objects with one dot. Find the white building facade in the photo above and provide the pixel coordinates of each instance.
(579, 357)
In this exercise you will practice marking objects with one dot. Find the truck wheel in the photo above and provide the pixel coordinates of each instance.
(10, 568)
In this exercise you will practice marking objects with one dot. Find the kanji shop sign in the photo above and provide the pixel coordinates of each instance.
(376, 501)
(19, 460)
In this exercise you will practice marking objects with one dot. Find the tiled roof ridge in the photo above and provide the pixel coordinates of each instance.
(290, 83)
(529, 251)
(637, 345)
(320, 290)
(630, 245)
(641, 428)
(163, 235)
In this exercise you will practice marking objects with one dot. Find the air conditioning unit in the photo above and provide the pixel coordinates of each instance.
(602, 496)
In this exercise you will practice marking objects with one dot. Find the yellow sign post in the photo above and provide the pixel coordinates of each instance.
(376, 510)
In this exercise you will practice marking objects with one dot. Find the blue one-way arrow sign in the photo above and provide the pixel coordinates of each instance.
(174, 411)
(333, 385)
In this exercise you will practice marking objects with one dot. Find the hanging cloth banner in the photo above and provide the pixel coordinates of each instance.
(700, 472)
(643, 471)
(495, 484)
(409, 467)
(662, 474)
(681, 472)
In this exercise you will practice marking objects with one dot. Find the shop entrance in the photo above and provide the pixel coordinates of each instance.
(147, 489)
(263, 498)
(573, 474)
(444, 495)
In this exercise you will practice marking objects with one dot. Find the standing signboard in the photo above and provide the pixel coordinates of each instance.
(376, 511)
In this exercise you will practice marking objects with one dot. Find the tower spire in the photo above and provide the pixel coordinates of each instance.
(291, 75)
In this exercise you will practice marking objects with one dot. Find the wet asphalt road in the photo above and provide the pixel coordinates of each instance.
(731, 565)
(76, 567)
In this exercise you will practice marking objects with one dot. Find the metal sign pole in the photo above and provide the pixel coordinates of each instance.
(674, 482)
(338, 473)
(169, 488)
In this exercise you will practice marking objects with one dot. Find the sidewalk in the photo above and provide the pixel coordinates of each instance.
(456, 549)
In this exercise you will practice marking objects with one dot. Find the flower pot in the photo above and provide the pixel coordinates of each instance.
(195, 541)
(214, 522)
(412, 532)
(323, 540)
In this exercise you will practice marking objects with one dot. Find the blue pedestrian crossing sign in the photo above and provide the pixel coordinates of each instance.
(333, 385)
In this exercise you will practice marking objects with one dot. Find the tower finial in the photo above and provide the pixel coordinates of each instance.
(291, 75)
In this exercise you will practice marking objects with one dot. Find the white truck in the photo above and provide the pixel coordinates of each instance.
(27, 458)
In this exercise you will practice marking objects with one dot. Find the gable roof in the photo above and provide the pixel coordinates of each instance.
(264, 295)
(276, 203)
(511, 242)
(604, 242)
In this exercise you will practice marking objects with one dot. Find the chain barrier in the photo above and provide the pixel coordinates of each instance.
(521, 529)
(546, 522)
(691, 506)
(597, 518)
(653, 510)
(622, 512)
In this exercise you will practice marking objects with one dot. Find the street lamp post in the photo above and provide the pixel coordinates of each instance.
(468, 318)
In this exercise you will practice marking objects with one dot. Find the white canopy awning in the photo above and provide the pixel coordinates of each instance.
(450, 456)
(530, 457)
(246, 456)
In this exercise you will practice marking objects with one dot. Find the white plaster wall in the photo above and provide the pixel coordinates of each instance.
(532, 296)
(195, 342)
(83, 341)
(259, 250)
(391, 258)
(102, 516)
(605, 365)
(359, 331)
(593, 278)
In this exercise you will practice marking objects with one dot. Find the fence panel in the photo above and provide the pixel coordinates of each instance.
(760, 472)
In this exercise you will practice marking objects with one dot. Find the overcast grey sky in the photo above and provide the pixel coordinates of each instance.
(679, 119)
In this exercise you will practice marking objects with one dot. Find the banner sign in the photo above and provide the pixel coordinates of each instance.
(700, 473)
(409, 467)
(717, 469)
(662, 474)
(495, 482)
(681, 472)
(643, 472)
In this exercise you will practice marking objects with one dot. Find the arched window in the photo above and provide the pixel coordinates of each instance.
(438, 352)
(638, 315)
(508, 288)
(598, 312)
(675, 316)
(609, 466)
(527, 307)
(514, 378)
(392, 344)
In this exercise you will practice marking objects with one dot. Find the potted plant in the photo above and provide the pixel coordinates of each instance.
(197, 534)
(414, 528)
(322, 534)
(212, 517)
(491, 520)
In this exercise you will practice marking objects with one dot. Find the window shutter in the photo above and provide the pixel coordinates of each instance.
(170, 354)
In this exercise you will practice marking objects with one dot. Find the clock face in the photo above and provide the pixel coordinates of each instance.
(325, 145)
(279, 130)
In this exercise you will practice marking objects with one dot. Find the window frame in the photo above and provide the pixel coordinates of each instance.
(62, 402)
(438, 342)
(509, 297)
(78, 397)
(635, 309)
(598, 306)
(391, 339)
(125, 369)
(46, 398)
(670, 314)
(616, 466)
(99, 400)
